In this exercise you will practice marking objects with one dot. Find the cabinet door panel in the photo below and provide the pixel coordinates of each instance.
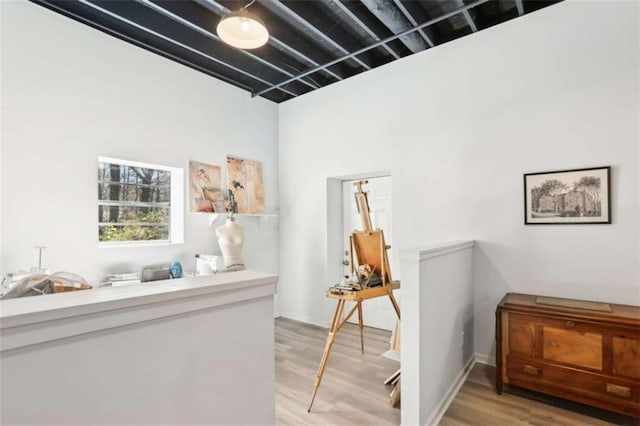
(626, 357)
(580, 348)
(522, 338)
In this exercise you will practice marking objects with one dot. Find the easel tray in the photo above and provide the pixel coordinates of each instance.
(367, 293)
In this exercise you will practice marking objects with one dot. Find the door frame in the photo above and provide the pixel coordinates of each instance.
(334, 222)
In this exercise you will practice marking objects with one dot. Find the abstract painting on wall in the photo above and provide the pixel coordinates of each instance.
(244, 180)
(205, 191)
(568, 196)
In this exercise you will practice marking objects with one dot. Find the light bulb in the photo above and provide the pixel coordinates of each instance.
(243, 30)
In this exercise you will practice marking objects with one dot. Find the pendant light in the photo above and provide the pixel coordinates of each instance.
(242, 29)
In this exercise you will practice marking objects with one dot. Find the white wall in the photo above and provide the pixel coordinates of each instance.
(71, 93)
(458, 125)
(2, 271)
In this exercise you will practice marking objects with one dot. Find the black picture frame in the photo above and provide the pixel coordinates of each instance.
(568, 197)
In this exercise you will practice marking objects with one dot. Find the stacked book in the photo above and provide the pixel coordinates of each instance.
(115, 280)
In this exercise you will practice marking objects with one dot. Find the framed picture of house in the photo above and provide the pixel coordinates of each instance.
(580, 196)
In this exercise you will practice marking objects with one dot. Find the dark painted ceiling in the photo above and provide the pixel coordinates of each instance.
(312, 43)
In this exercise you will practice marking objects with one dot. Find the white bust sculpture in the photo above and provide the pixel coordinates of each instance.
(231, 239)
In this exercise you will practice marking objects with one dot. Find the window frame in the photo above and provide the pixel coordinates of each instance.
(176, 204)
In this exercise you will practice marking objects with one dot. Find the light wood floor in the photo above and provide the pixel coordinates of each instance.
(352, 392)
(477, 403)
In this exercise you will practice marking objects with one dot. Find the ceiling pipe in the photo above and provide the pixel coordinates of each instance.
(520, 7)
(213, 36)
(219, 9)
(387, 12)
(414, 23)
(122, 36)
(184, 46)
(386, 40)
(468, 17)
(302, 57)
(352, 18)
(280, 8)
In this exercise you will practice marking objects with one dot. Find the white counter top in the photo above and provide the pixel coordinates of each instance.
(114, 306)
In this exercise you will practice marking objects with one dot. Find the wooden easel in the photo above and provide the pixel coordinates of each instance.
(370, 249)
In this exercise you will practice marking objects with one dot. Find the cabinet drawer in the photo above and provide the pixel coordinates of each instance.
(570, 379)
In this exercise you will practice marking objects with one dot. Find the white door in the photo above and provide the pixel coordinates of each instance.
(378, 312)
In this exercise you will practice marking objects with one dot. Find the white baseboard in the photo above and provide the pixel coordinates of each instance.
(485, 359)
(451, 393)
(304, 319)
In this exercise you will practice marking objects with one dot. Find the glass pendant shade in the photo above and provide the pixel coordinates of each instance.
(243, 30)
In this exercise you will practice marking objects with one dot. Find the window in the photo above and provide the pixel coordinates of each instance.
(139, 203)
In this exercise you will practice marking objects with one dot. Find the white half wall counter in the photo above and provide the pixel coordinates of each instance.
(196, 350)
(437, 328)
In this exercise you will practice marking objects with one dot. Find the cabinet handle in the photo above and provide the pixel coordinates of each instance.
(571, 324)
(531, 369)
(619, 390)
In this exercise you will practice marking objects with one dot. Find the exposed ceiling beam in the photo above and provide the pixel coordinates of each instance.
(468, 17)
(387, 12)
(213, 36)
(520, 7)
(301, 56)
(219, 9)
(183, 46)
(409, 16)
(136, 42)
(277, 6)
(374, 45)
(344, 9)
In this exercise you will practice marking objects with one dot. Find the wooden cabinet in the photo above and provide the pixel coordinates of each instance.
(587, 352)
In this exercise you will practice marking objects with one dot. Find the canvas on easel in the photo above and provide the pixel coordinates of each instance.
(368, 246)
(370, 249)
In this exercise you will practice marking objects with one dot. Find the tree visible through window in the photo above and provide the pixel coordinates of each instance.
(134, 202)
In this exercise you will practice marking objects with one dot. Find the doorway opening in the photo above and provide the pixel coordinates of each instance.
(343, 218)
(377, 313)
